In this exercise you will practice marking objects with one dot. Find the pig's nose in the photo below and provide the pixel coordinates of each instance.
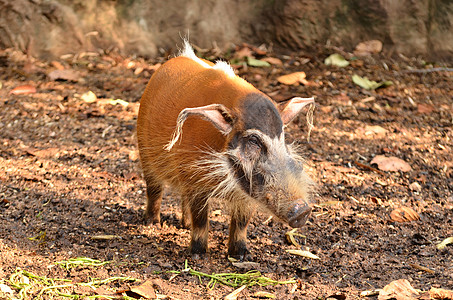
(299, 215)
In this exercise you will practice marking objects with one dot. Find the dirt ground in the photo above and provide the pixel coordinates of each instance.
(71, 185)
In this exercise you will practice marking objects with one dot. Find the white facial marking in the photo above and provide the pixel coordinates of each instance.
(277, 144)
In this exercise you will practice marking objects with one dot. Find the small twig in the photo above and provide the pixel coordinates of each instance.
(290, 237)
(422, 268)
(99, 282)
(370, 293)
(266, 222)
(249, 278)
(341, 278)
(54, 287)
(369, 168)
(48, 286)
(354, 199)
(424, 71)
(81, 261)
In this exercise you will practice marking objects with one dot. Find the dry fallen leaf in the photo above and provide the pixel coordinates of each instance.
(391, 163)
(243, 52)
(273, 61)
(293, 78)
(44, 153)
(404, 214)
(138, 70)
(145, 290)
(415, 186)
(57, 65)
(303, 253)
(370, 293)
(444, 243)
(261, 294)
(435, 293)
(68, 75)
(375, 130)
(368, 48)
(399, 289)
(234, 294)
(89, 97)
(336, 60)
(154, 67)
(133, 155)
(368, 99)
(113, 102)
(425, 108)
(367, 84)
(23, 90)
(129, 64)
(246, 265)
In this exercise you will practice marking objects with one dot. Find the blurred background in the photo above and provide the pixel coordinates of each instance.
(52, 28)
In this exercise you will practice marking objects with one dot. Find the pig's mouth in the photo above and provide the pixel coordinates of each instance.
(299, 215)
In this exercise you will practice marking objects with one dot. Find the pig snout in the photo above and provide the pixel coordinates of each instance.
(299, 214)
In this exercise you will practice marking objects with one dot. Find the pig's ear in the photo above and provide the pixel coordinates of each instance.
(291, 108)
(217, 114)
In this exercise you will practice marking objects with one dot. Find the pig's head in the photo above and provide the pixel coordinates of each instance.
(257, 162)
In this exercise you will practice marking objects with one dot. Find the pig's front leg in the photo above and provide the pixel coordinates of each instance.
(237, 242)
(199, 208)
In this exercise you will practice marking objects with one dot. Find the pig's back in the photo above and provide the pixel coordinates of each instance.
(182, 83)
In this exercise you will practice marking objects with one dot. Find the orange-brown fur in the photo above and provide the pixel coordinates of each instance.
(181, 83)
(192, 154)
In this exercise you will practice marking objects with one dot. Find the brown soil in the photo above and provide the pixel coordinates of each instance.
(69, 172)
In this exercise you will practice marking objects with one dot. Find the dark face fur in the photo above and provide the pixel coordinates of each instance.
(265, 167)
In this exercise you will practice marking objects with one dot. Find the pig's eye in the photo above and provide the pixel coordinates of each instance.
(255, 141)
(253, 147)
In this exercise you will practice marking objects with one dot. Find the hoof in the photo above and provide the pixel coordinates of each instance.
(240, 252)
(152, 221)
(242, 257)
(199, 257)
(198, 249)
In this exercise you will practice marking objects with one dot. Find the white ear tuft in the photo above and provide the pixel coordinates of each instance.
(217, 114)
(290, 109)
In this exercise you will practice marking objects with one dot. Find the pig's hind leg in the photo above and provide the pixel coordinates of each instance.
(154, 199)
